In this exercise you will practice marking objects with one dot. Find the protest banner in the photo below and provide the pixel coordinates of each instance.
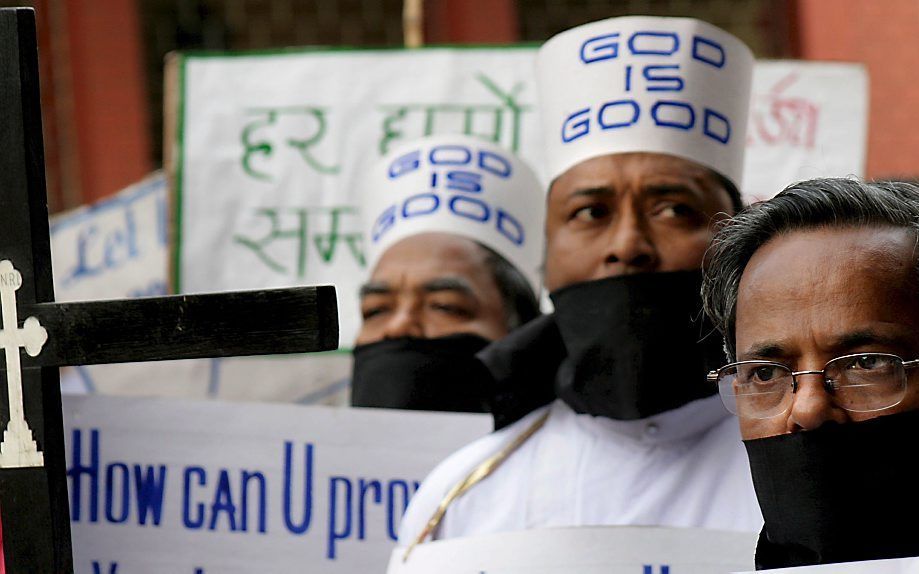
(268, 147)
(115, 248)
(584, 550)
(807, 120)
(203, 487)
(118, 248)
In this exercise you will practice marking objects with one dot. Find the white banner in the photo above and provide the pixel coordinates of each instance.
(114, 249)
(585, 550)
(807, 119)
(161, 485)
(118, 248)
(895, 566)
(271, 147)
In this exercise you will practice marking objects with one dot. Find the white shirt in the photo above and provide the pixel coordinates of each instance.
(682, 468)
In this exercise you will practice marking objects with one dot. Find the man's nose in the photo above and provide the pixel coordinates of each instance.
(629, 248)
(813, 405)
(405, 321)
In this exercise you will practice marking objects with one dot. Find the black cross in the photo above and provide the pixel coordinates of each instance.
(34, 510)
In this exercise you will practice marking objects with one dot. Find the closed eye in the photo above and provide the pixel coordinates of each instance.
(460, 311)
(369, 312)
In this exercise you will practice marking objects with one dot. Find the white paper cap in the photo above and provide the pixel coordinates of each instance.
(675, 86)
(460, 185)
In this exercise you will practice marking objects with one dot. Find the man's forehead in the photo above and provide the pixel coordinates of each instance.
(826, 283)
(638, 169)
(427, 260)
(831, 256)
(418, 282)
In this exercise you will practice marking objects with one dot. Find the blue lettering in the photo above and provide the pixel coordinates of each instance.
(334, 533)
(649, 569)
(162, 222)
(467, 181)
(112, 568)
(601, 48)
(113, 243)
(449, 155)
(722, 132)
(661, 82)
(151, 487)
(76, 472)
(364, 487)
(654, 43)
(576, 125)
(494, 164)
(83, 267)
(259, 480)
(708, 52)
(475, 209)
(304, 524)
(198, 520)
(383, 223)
(509, 227)
(125, 479)
(393, 517)
(404, 164)
(428, 203)
(622, 121)
(223, 502)
(659, 112)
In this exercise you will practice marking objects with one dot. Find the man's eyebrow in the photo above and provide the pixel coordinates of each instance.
(770, 350)
(449, 284)
(375, 288)
(665, 189)
(867, 337)
(592, 192)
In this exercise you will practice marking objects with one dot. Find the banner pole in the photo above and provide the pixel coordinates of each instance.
(413, 23)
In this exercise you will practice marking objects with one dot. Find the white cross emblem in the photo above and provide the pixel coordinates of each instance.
(18, 449)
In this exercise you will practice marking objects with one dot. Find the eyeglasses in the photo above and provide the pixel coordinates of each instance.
(860, 383)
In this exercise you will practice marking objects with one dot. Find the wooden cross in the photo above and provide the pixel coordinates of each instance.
(34, 510)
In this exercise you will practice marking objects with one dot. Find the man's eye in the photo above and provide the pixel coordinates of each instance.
(869, 362)
(590, 213)
(677, 211)
(369, 312)
(765, 374)
(451, 309)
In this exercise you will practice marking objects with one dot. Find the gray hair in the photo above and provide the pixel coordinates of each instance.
(817, 203)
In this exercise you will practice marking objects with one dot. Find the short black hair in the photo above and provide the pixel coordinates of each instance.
(520, 303)
(812, 204)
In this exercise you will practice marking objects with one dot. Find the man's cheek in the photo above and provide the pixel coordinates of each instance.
(761, 428)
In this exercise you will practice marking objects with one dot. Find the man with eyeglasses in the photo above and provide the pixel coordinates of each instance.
(815, 292)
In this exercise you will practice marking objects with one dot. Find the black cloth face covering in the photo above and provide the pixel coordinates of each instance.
(637, 345)
(840, 493)
(439, 374)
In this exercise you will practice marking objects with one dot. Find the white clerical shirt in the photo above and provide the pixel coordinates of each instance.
(682, 468)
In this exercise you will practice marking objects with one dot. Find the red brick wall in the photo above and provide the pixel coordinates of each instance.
(883, 35)
(109, 99)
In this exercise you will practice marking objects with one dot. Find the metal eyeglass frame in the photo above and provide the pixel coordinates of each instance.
(714, 376)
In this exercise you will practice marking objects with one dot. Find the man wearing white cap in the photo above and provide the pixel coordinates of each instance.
(644, 121)
(453, 226)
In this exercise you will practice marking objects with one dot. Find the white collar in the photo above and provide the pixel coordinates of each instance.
(673, 425)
